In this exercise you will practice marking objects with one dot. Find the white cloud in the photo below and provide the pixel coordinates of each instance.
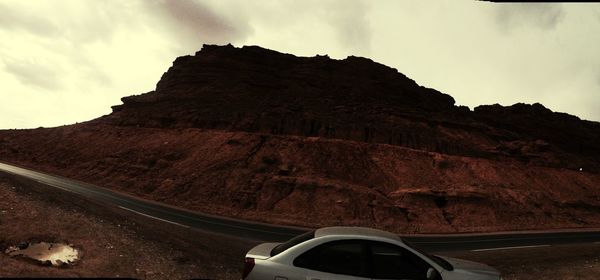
(193, 22)
(69, 61)
(25, 20)
(337, 28)
(352, 25)
(34, 73)
(66, 61)
(540, 15)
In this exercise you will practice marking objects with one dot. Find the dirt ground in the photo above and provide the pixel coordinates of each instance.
(119, 244)
(560, 262)
(111, 244)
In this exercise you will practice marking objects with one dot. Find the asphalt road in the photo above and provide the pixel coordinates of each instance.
(267, 232)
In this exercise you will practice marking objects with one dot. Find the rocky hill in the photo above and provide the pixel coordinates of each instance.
(256, 134)
(257, 90)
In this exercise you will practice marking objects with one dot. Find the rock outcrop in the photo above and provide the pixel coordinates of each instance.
(256, 134)
(257, 90)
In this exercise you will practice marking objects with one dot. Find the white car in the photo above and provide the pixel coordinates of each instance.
(355, 253)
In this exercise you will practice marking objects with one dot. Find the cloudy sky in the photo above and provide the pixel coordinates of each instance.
(67, 61)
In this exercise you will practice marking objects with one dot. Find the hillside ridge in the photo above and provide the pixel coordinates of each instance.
(253, 89)
(255, 134)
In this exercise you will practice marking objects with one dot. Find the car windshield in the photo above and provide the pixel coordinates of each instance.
(292, 242)
(441, 262)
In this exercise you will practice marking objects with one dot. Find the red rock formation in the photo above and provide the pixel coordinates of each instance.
(256, 134)
(257, 90)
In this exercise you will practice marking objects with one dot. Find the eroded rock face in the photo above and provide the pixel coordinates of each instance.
(256, 134)
(258, 90)
(313, 181)
(554, 133)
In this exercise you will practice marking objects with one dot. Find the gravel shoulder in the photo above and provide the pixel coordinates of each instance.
(560, 262)
(112, 243)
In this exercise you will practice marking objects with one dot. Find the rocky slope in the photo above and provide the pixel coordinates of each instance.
(252, 133)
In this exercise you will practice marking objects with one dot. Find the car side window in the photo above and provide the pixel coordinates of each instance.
(394, 262)
(348, 257)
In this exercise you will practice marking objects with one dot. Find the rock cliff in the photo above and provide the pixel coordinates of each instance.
(258, 90)
(256, 134)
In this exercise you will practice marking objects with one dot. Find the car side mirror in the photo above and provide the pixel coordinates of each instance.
(432, 274)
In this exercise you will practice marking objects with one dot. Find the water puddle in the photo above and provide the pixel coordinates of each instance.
(56, 253)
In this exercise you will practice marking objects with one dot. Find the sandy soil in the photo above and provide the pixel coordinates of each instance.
(112, 244)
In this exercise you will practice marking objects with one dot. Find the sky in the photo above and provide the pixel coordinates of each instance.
(69, 61)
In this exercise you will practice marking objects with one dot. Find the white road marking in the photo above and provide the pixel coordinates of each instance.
(156, 218)
(509, 248)
(54, 185)
(46, 179)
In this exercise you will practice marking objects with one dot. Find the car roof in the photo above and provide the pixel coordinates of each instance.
(355, 231)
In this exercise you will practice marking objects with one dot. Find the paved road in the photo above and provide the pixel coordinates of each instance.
(267, 232)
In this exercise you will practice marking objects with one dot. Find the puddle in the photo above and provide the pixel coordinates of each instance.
(56, 253)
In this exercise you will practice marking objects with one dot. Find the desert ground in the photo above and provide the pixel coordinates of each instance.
(121, 244)
(111, 244)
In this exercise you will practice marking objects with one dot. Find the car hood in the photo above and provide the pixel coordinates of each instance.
(466, 267)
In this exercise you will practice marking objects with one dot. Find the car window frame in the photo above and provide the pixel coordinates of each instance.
(434, 258)
(370, 244)
(364, 252)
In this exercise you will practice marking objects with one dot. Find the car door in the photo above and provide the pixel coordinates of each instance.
(336, 260)
(389, 261)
